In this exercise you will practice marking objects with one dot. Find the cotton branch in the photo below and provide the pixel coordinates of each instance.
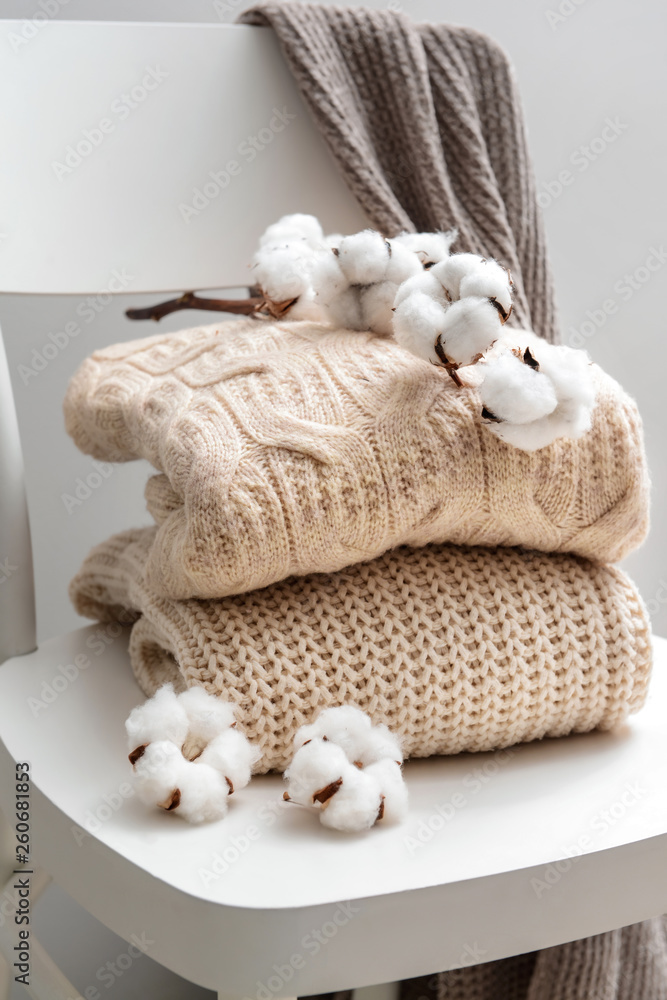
(256, 305)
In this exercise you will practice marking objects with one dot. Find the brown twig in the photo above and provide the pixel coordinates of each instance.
(189, 300)
(256, 305)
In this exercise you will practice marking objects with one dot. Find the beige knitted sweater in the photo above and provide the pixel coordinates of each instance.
(453, 648)
(292, 448)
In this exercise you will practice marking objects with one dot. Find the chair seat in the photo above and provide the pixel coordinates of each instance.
(501, 852)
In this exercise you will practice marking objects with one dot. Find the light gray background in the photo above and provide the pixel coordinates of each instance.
(578, 65)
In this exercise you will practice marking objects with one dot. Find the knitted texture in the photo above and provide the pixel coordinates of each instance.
(625, 964)
(453, 648)
(292, 448)
(426, 126)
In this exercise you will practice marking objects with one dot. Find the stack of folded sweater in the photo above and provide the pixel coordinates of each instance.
(336, 525)
(333, 521)
(408, 560)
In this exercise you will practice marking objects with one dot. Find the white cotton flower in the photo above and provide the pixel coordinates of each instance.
(282, 266)
(380, 744)
(420, 308)
(292, 227)
(429, 247)
(356, 805)
(204, 794)
(345, 309)
(387, 773)
(346, 725)
(158, 772)
(455, 311)
(376, 307)
(568, 372)
(193, 772)
(283, 272)
(207, 715)
(162, 717)
(348, 770)
(357, 283)
(363, 258)
(163, 778)
(469, 329)
(516, 392)
(233, 756)
(317, 765)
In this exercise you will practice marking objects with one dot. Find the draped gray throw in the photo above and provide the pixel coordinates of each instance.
(425, 124)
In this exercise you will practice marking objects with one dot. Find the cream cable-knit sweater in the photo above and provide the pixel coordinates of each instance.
(454, 648)
(291, 448)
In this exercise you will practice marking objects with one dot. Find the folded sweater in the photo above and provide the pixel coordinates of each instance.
(453, 648)
(291, 448)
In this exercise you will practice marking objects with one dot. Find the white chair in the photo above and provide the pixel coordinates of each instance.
(502, 853)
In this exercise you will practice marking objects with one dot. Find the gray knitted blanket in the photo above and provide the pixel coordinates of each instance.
(425, 124)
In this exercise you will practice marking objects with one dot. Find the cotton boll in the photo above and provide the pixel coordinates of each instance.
(158, 772)
(292, 227)
(345, 725)
(163, 777)
(389, 777)
(204, 794)
(208, 716)
(515, 392)
(570, 375)
(162, 717)
(488, 279)
(233, 756)
(470, 326)
(453, 269)
(283, 272)
(327, 278)
(316, 765)
(345, 310)
(402, 264)
(515, 339)
(418, 321)
(377, 300)
(379, 743)
(356, 804)
(363, 258)
(307, 307)
(376, 307)
(424, 282)
(429, 247)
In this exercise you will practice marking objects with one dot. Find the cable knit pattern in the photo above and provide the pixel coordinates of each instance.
(292, 448)
(426, 126)
(453, 648)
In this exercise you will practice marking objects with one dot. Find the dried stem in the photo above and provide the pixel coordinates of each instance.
(246, 307)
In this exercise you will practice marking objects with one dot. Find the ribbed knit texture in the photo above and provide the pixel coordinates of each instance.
(426, 126)
(625, 964)
(292, 448)
(453, 648)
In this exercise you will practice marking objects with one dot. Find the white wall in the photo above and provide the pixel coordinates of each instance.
(577, 70)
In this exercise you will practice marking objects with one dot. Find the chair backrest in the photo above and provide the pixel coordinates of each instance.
(139, 157)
